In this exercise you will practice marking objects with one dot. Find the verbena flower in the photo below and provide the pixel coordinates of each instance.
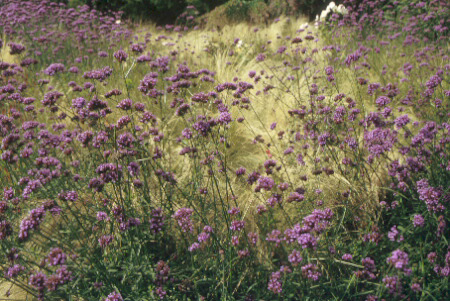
(121, 56)
(183, 218)
(394, 235)
(419, 221)
(311, 272)
(275, 284)
(114, 296)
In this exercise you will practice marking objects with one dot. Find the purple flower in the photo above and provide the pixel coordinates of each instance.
(306, 240)
(372, 88)
(56, 257)
(402, 121)
(419, 221)
(282, 49)
(125, 140)
(237, 225)
(295, 257)
(102, 216)
(433, 82)
(109, 172)
(68, 196)
(394, 235)
(432, 257)
(393, 284)
(54, 68)
(225, 118)
(125, 104)
(51, 97)
(322, 139)
(114, 296)
(38, 281)
(318, 220)
(137, 48)
(99, 74)
(274, 236)
(33, 221)
(369, 269)
(160, 292)
(240, 171)
(275, 284)
(5, 229)
(79, 102)
(430, 196)
(295, 197)
(8, 193)
(353, 57)
(157, 220)
(61, 276)
(14, 271)
(194, 247)
(133, 169)
(382, 101)
(265, 183)
(162, 271)
(379, 141)
(260, 57)
(203, 236)
(105, 240)
(121, 56)
(415, 287)
(15, 48)
(183, 218)
(398, 259)
(253, 238)
(311, 272)
(347, 257)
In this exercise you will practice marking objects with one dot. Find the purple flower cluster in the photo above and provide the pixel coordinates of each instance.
(14, 271)
(99, 74)
(114, 296)
(60, 277)
(56, 257)
(430, 196)
(311, 271)
(15, 48)
(105, 240)
(54, 68)
(379, 141)
(394, 235)
(275, 284)
(295, 258)
(369, 269)
(183, 218)
(393, 284)
(400, 261)
(31, 222)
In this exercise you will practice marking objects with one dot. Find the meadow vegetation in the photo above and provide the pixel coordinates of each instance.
(280, 161)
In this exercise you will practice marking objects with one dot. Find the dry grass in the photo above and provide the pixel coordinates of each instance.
(265, 108)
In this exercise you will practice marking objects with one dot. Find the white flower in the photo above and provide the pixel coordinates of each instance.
(331, 6)
(305, 25)
(239, 44)
(330, 9)
(118, 22)
(341, 9)
(324, 14)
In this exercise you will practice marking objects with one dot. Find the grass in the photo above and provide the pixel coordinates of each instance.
(352, 192)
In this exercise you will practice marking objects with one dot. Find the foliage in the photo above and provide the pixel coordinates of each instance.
(277, 162)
